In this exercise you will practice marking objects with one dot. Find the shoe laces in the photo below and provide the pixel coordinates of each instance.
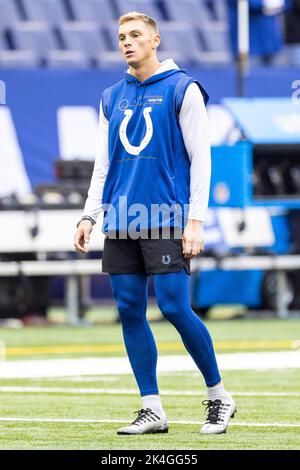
(145, 416)
(216, 411)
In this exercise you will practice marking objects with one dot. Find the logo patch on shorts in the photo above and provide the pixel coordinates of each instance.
(166, 259)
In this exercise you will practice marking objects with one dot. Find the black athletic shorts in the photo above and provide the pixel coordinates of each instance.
(143, 256)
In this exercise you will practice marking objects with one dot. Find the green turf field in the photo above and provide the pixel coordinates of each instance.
(83, 412)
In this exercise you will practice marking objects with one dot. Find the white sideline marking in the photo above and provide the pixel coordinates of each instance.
(120, 365)
(120, 391)
(80, 378)
(99, 421)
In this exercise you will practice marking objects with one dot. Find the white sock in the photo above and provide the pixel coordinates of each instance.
(217, 391)
(153, 402)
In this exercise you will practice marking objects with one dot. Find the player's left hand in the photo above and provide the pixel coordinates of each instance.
(193, 238)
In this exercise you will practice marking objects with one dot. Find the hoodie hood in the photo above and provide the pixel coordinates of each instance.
(167, 68)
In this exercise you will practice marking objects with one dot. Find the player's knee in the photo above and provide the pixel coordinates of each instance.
(129, 308)
(168, 308)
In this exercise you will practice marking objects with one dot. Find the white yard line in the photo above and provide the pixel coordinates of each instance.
(120, 391)
(120, 365)
(80, 378)
(99, 421)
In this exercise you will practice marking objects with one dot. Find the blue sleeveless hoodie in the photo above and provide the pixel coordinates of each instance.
(148, 162)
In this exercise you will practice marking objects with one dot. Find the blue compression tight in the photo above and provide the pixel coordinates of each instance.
(172, 294)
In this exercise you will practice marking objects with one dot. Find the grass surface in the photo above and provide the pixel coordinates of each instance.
(252, 410)
(229, 336)
(249, 429)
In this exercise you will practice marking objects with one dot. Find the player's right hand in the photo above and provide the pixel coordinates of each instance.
(82, 236)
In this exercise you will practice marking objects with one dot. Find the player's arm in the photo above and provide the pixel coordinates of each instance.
(93, 202)
(194, 126)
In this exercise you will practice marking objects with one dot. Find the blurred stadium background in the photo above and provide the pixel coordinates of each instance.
(64, 379)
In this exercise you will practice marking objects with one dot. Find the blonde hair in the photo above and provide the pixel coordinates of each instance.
(135, 15)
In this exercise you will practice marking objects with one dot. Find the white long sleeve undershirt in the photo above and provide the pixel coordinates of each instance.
(193, 121)
(194, 126)
(93, 204)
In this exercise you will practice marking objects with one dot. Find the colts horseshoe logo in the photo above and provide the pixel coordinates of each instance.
(132, 149)
(166, 259)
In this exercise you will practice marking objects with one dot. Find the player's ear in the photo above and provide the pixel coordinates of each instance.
(156, 41)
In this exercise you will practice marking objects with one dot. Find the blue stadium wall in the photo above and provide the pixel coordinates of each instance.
(34, 97)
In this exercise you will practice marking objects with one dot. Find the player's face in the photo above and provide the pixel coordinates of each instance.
(137, 42)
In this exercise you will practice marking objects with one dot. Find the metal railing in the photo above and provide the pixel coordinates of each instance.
(73, 269)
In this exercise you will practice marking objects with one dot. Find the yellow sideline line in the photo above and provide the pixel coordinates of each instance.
(104, 348)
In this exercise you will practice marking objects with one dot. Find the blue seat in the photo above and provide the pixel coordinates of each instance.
(111, 59)
(179, 40)
(112, 30)
(8, 14)
(83, 36)
(50, 11)
(35, 36)
(193, 11)
(148, 7)
(93, 10)
(67, 60)
(220, 10)
(18, 59)
(213, 34)
(3, 43)
(215, 37)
